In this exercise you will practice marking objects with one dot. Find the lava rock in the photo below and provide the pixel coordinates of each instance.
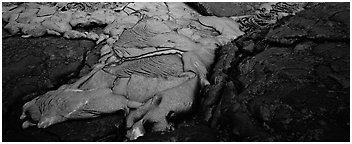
(322, 22)
(188, 131)
(226, 9)
(105, 128)
(293, 89)
(30, 68)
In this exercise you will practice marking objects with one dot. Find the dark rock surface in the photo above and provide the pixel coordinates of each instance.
(190, 131)
(35, 65)
(225, 9)
(105, 128)
(325, 23)
(286, 83)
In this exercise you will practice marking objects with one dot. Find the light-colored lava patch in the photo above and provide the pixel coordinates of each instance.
(155, 60)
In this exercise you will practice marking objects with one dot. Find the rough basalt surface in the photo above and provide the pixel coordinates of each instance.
(286, 83)
(36, 65)
(30, 65)
(226, 9)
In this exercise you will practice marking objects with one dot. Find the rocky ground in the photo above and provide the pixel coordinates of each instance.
(287, 82)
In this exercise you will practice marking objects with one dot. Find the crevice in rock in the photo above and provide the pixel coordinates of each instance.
(199, 8)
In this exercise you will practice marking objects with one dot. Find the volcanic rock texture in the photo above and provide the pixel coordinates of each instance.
(289, 82)
(286, 82)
